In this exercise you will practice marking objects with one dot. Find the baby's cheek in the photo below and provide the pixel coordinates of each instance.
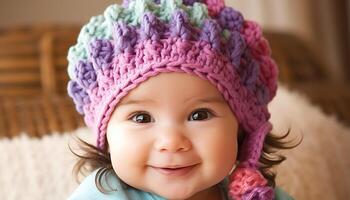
(129, 157)
(220, 153)
(121, 162)
(224, 157)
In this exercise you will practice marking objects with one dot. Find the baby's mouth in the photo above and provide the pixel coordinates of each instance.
(174, 170)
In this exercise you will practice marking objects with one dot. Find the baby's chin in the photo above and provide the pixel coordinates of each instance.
(170, 190)
(175, 193)
(172, 195)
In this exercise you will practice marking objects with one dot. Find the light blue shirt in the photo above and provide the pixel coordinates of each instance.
(87, 190)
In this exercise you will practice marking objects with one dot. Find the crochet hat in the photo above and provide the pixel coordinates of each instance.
(139, 39)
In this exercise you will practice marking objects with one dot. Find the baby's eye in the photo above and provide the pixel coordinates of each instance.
(201, 114)
(141, 118)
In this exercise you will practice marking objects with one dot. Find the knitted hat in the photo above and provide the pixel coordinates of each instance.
(132, 42)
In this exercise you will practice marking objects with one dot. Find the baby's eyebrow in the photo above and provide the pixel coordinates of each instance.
(135, 102)
(212, 99)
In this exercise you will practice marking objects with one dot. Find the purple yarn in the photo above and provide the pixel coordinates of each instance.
(211, 32)
(85, 75)
(259, 193)
(180, 25)
(101, 52)
(191, 2)
(125, 38)
(236, 47)
(151, 27)
(249, 70)
(125, 3)
(230, 19)
(79, 96)
(262, 94)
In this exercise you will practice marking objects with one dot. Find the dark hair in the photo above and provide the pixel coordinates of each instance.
(94, 158)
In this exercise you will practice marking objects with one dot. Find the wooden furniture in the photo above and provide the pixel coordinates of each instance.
(33, 80)
(301, 70)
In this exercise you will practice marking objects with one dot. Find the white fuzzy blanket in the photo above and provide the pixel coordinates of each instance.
(40, 169)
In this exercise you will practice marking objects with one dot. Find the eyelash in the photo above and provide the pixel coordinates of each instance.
(207, 110)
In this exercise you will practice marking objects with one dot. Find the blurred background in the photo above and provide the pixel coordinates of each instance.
(310, 40)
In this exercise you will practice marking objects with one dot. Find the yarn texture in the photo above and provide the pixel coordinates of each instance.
(129, 43)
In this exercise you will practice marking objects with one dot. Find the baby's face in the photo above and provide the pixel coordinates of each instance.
(173, 135)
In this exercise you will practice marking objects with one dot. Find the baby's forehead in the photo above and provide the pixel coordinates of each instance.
(181, 87)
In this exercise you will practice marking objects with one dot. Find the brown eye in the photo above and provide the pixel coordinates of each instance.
(142, 118)
(201, 114)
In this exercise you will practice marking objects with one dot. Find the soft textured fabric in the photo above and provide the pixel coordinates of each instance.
(282, 195)
(87, 190)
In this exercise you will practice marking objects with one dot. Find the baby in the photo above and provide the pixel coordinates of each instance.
(177, 94)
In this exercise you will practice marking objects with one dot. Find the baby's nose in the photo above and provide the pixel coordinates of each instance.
(173, 140)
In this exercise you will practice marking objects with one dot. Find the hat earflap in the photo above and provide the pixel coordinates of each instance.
(246, 181)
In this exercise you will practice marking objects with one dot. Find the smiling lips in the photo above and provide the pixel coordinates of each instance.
(174, 171)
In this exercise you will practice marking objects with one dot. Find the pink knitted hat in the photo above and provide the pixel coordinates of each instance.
(129, 43)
